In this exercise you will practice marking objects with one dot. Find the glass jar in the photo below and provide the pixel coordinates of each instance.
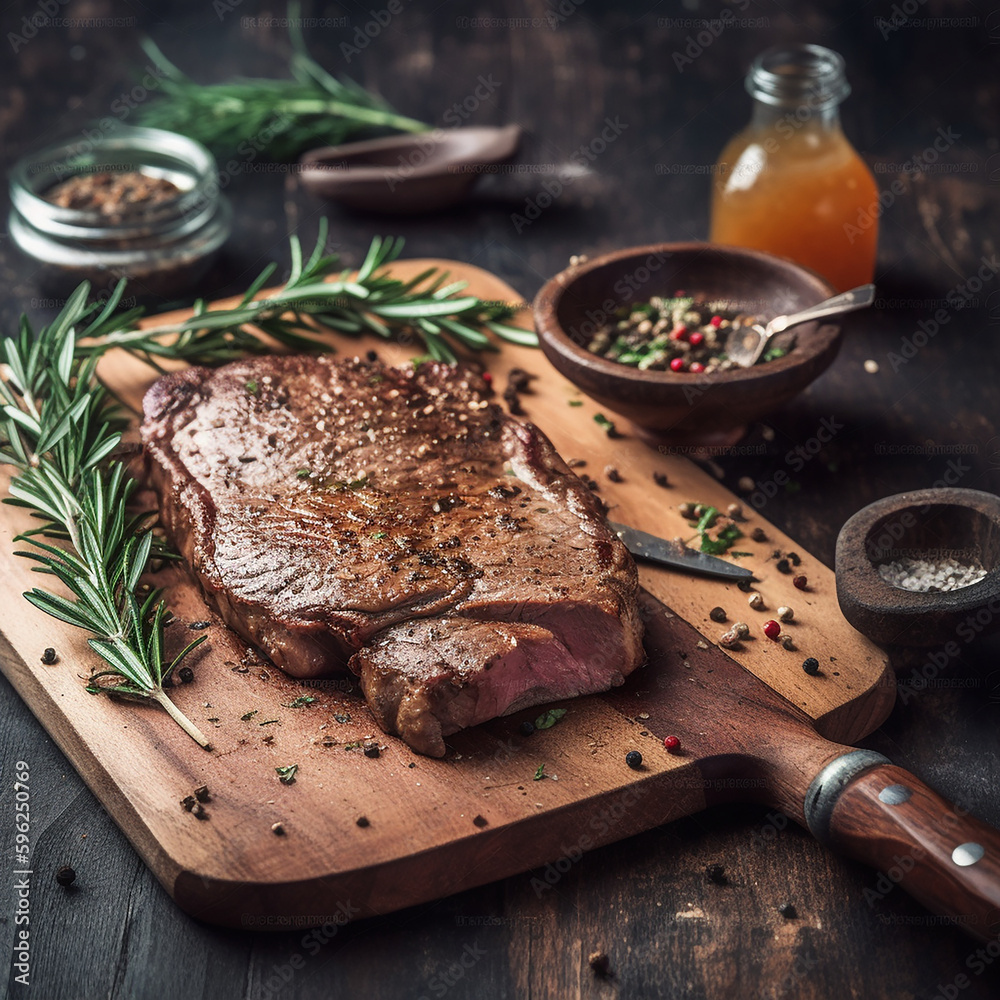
(790, 183)
(163, 248)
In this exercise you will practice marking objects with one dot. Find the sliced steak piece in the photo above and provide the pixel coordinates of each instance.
(432, 677)
(325, 503)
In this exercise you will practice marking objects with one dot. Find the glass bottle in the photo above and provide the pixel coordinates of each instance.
(791, 183)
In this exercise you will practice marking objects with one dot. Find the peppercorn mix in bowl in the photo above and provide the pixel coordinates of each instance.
(684, 402)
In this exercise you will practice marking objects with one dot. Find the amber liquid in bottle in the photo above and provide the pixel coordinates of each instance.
(791, 183)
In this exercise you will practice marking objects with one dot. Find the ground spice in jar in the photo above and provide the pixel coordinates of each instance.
(115, 194)
(923, 576)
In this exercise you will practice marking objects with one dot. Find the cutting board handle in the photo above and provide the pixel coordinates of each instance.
(888, 818)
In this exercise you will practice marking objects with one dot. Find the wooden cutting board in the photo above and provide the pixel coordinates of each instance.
(364, 836)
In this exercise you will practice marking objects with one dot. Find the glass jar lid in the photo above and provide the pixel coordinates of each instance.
(154, 152)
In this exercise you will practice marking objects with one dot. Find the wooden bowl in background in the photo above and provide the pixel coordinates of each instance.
(679, 406)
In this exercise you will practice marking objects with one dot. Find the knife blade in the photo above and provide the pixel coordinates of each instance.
(659, 550)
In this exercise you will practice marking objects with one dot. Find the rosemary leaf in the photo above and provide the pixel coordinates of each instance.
(59, 429)
(280, 118)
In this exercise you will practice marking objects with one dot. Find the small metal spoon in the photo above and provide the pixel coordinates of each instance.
(745, 344)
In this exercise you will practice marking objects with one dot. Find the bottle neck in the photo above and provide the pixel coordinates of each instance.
(767, 117)
(801, 85)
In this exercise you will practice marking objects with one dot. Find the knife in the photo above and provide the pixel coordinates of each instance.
(675, 554)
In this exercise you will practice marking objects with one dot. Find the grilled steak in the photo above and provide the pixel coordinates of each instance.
(396, 518)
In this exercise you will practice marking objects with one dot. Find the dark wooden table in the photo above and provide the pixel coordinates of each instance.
(669, 932)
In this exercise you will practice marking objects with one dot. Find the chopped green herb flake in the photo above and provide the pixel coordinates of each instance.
(608, 425)
(351, 484)
(249, 715)
(252, 388)
(341, 718)
(548, 719)
(378, 535)
(576, 402)
(269, 722)
(286, 775)
(354, 745)
(304, 473)
(301, 701)
(540, 773)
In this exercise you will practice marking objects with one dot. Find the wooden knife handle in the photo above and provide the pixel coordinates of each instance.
(935, 850)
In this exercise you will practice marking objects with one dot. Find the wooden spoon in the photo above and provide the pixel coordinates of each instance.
(408, 173)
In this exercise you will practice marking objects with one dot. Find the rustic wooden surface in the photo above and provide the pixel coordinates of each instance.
(933, 420)
(422, 842)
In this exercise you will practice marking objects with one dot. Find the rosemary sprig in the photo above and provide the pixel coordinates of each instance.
(58, 429)
(372, 300)
(279, 118)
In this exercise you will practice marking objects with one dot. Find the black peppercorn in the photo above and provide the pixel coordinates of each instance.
(758, 535)
(634, 759)
(186, 675)
(788, 911)
(660, 478)
(811, 666)
(362, 821)
(717, 614)
(716, 874)
(372, 356)
(526, 728)
(782, 566)
(372, 751)
(65, 875)
(600, 963)
(49, 656)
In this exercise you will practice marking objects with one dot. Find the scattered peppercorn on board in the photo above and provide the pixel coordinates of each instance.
(373, 834)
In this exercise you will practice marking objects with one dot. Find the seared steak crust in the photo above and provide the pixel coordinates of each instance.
(325, 504)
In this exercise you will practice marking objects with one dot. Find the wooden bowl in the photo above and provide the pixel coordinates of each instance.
(922, 524)
(677, 406)
(407, 174)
